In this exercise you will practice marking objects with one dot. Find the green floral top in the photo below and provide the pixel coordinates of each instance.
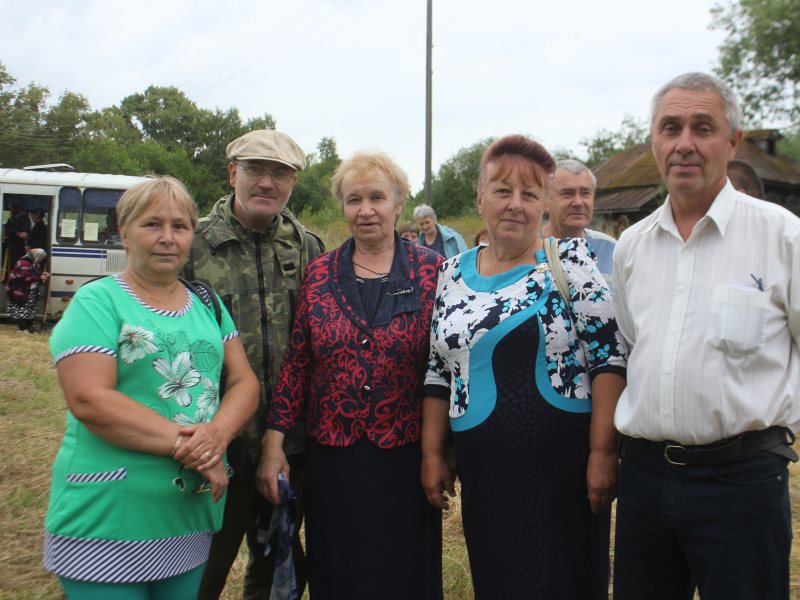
(115, 514)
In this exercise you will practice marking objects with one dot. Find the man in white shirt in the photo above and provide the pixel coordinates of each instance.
(570, 204)
(707, 296)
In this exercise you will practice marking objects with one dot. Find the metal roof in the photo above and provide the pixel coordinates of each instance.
(68, 179)
(626, 199)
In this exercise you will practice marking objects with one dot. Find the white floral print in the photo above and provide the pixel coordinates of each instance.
(180, 376)
(579, 338)
(135, 342)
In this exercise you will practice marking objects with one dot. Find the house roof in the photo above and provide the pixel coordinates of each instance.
(626, 199)
(633, 167)
(630, 179)
(772, 168)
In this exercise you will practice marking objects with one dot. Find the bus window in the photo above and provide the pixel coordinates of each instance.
(69, 215)
(100, 217)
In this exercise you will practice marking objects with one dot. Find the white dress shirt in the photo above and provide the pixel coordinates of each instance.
(711, 354)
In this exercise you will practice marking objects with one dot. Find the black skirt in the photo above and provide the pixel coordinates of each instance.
(370, 532)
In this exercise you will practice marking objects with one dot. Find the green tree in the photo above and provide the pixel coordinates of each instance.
(790, 144)
(312, 192)
(159, 131)
(22, 141)
(760, 57)
(65, 127)
(563, 153)
(454, 187)
(166, 117)
(605, 143)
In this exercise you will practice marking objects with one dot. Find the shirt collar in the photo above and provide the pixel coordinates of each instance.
(401, 293)
(719, 213)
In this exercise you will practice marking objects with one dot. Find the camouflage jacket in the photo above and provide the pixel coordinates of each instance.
(257, 275)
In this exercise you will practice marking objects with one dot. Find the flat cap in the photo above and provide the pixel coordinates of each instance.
(267, 144)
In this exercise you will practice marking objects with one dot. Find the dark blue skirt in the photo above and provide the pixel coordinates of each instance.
(529, 529)
(370, 532)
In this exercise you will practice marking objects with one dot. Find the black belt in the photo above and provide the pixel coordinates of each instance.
(774, 439)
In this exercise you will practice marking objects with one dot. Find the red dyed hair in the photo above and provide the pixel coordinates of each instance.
(512, 152)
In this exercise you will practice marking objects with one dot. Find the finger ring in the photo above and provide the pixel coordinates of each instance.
(207, 454)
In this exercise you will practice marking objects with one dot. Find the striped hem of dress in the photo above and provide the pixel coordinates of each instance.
(124, 561)
(81, 349)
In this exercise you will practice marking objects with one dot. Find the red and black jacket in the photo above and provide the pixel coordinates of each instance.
(353, 379)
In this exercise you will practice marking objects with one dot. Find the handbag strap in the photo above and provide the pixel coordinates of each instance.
(559, 278)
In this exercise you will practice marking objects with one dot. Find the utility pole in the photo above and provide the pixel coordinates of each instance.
(428, 103)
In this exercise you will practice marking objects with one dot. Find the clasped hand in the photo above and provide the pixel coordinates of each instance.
(202, 450)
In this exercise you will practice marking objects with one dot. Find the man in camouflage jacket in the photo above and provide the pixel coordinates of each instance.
(253, 251)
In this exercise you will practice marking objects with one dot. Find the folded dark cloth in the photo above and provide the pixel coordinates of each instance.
(276, 530)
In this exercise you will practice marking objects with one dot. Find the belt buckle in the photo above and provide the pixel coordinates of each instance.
(669, 447)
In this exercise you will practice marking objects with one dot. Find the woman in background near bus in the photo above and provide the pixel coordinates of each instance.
(23, 288)
(137, 482)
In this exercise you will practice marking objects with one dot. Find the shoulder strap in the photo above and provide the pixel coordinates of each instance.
(188, 268)
(307, 254)
(559, 278)
(206, 295)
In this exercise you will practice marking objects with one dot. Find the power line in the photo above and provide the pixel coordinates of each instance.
(260, 59)
(223, 64)
(319, 39)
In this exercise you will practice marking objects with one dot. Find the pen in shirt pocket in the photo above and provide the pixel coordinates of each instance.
(759, 282)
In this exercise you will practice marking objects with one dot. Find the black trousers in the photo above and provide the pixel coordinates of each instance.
(242, 505)
(725, 529)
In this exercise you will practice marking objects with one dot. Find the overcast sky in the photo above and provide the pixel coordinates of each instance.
(355, 69)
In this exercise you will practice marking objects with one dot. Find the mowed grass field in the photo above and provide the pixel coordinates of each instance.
(31, 424)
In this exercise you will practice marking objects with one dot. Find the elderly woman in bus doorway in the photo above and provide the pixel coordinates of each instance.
(355, 366)
(23, 287)
(530, 382)
(138, 481)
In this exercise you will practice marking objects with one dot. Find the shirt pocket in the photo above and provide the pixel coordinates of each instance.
(93, 504)
(737, 317)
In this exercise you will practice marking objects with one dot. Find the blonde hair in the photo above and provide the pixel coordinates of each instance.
(137, 199)
(365, 162)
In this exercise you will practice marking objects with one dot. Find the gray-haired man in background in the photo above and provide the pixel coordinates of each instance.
(570, 204)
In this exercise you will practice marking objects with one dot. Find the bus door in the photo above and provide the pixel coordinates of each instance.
(18, 203)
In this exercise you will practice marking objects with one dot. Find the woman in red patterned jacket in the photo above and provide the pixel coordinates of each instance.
(355, 367)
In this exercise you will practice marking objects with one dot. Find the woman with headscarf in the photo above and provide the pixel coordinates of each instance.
(355, 367)
(530, 380)
(23, 288)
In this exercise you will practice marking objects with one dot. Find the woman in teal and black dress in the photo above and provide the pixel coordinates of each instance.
(529, 383)
(138, 481)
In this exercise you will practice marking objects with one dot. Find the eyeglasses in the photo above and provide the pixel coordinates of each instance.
(279, 176)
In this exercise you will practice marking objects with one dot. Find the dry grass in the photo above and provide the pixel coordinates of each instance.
(31, 424)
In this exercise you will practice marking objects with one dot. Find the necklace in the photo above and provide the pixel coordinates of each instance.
(376, 273)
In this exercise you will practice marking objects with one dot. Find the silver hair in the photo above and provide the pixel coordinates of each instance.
(38, 253)
(702, 82)
(423, 211)
(576, 167)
